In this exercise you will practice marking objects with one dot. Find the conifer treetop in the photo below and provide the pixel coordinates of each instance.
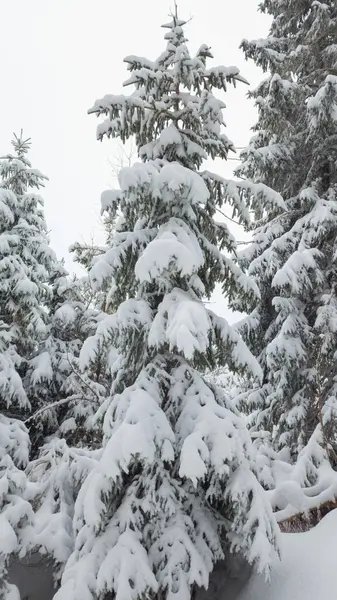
(21, 145)
(177, 123)
(174, 93)
(16, 171)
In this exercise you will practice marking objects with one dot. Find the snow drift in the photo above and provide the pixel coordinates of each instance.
(307, 571)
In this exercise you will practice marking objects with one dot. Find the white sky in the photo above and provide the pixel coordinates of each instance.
(58, 56)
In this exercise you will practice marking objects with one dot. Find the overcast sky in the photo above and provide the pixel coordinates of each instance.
(58, 56)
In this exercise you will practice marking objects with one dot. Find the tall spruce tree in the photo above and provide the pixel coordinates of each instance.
(44, 323)
(25, 265)
(174, 487)
(293, 256)
(25, 258)
(44, 317)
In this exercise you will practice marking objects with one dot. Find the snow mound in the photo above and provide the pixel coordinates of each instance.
(308, 569)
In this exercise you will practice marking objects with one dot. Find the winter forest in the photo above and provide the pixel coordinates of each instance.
(149, 447)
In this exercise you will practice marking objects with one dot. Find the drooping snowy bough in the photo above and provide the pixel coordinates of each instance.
(174, 489)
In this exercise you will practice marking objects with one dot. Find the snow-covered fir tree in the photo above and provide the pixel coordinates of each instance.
(11, 388)
(174, 488)
(24, 260)
(16, 514)
(25, 263)
(89, 381)
(293, 256)
(53, 481)
(54, 379)
(44, 316)
(67, 394)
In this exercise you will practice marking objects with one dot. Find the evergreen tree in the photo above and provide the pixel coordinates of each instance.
(15, 512)
(64, 434)
(44, 317)
(44, 323)
(56, 386)
(16, 515)
(26, 260)
(174, 487)
(54, 480)
(11, 388)
(25, 263)
(293, 256)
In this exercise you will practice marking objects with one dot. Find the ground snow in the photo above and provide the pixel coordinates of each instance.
(307, 571)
